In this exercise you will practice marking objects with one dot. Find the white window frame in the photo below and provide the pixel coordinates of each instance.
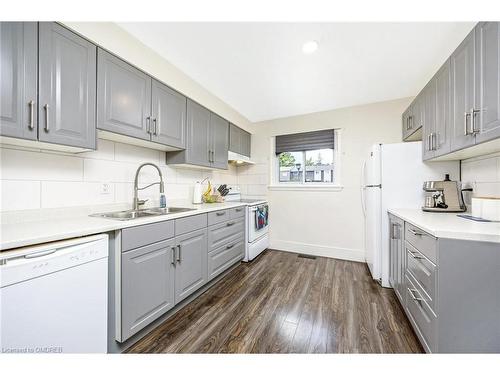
(336, 185)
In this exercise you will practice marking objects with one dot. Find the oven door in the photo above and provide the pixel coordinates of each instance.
(253, 232)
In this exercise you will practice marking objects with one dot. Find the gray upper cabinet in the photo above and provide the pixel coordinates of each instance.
(18, 79)
(123, 97)
(219, 139)
(168, 116)
(191, 264)
(148, 279)
(67, 87)
(407, 122)
(206, 139)
(239, 140)
(462, 93)
(429, 103)
(441, 85)
(487, 81)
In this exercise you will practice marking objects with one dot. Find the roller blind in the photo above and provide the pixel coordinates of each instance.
(305, 141)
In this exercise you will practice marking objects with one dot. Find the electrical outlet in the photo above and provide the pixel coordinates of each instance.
(105, 189)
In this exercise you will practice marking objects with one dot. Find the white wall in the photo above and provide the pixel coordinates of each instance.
(483, 175)
(323, 223)
(32, 179)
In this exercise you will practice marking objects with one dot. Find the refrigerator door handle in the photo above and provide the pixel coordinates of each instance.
(363, 205)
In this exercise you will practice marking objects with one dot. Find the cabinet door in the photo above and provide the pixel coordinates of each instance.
(401, 258)
(408, 122)
(462, 93)
(392, 254)
(18, 79)
(246, 143)
(442, 143)
(198, 134)
(429, 100)
(219, 135)
(168, 116)
(234, 138)
(67, 87)
(147, 275)
(191, 264)
(487, 96)
(123, 97)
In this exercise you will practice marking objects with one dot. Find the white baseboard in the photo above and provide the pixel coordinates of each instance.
(319, 250)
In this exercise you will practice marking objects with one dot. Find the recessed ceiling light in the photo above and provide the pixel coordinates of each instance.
(310, 46)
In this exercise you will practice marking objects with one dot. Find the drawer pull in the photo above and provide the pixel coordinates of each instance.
(414, 232)
(220, 213)
(229, 246)
(412, 293)
(230, 223)
(173, 254)
(238, 209)
(412, 253)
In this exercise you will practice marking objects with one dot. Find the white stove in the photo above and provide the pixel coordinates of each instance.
(256, 232)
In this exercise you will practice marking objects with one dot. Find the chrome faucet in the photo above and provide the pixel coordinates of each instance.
(137, 201)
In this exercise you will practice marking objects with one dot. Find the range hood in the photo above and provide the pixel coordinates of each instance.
(238, 159)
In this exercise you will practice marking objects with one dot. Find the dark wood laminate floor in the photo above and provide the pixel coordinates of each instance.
(282, 303)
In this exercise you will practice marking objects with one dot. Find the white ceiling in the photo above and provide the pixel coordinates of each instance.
(259, 68)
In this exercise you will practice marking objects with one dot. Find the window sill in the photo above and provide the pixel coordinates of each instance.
(301, 187)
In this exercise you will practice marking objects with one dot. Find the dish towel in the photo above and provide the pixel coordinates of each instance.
(261, 217)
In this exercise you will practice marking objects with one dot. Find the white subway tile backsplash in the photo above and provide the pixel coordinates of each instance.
(19, 195)
(27, 165)
(67, 194)
(136, 154)
(32, 179)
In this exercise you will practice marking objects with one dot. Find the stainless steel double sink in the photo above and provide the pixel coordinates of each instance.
(146, 212)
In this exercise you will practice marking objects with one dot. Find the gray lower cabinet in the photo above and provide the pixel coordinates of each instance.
(168, 124)
(448, 289)
(239, 140)
(148, 280)
(67, 87)
(191, 263)
(18, 83)
(396, 256)
(123, 97)
(225, 256)
(487, 81)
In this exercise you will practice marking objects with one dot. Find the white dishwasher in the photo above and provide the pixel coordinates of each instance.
(53, 297)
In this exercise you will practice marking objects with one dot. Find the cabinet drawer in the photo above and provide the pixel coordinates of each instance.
(135, 237)
(225, 256)
(217, 217)
(421, 315)
(422, 241)
(223, 233)
(423, 271)
(190, 223)
(237, 212)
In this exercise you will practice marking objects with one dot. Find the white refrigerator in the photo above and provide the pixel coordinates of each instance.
(392, 177)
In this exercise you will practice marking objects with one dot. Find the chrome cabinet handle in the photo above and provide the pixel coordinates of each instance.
(220, 213)
(209, 156)
(179, 254)
(412, 253)
(173, 255)
(230, 224)
(32, 114)
(429, 142)
(238, 209)
(155, 132)
(412, 292)
(148, 125)
(434, 141)
(466, 127)
(46, 107)
(230, 246)
(414, 232)
(410, 122)
(473, 121)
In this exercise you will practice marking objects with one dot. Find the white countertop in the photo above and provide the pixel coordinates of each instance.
(47, 226)
(449, 225)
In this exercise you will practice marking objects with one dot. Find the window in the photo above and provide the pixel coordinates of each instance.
(308, 159)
